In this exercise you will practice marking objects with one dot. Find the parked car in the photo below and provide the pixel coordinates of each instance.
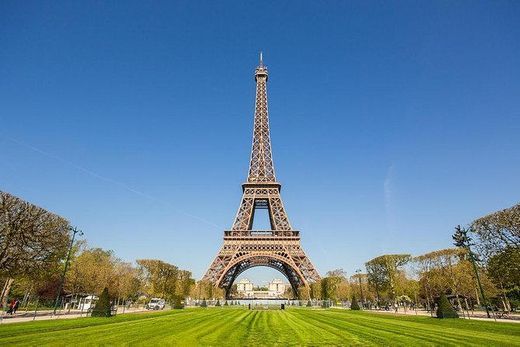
(156, 304)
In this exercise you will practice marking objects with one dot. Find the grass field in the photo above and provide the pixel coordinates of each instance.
(241, 327)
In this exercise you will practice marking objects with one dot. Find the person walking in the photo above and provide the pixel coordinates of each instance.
(11, 307)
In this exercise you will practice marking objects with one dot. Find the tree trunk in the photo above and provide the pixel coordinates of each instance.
(505, 301)
(467, 306)
(5, 291)
(459, 303)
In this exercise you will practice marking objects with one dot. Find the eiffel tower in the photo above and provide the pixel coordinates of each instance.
(278, 248)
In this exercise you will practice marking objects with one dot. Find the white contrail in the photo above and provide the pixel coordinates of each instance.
(107, 179)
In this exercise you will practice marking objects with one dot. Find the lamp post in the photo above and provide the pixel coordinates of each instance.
(74, 232)
(358, 271)
(462, 240)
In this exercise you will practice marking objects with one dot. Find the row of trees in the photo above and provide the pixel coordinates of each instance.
(33, 249)
(93, 269)
(34, 244)
(494, 244)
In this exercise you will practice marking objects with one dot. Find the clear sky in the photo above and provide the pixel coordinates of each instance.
(391, 122)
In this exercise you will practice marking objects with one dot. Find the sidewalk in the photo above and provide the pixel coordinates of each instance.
(30, 316)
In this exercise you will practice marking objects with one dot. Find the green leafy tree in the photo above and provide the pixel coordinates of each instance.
(504, 269)
(103, 307)
(385, 273)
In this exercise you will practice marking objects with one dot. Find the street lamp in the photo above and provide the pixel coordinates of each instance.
(358, 271)
(74, 232)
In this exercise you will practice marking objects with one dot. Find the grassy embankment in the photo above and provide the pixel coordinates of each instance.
(236, 326)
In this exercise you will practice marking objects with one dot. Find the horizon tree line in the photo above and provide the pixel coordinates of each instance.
(34, 244)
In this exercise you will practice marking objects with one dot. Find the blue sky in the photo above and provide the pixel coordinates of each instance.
(391, 122)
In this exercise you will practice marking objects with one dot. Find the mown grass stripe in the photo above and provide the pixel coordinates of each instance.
(239, 327)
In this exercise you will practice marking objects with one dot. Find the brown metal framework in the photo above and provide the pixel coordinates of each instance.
(278, 248)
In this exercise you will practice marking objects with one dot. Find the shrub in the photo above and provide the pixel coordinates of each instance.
(355, 305)
(218, 303)
(444, 309)
(225, 303)
(309, 303)
(102, 308)
(177, 303)
(204, 303)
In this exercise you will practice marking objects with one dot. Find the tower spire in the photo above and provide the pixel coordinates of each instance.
(261, 167)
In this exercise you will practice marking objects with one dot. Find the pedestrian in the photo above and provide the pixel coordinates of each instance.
(11, 307)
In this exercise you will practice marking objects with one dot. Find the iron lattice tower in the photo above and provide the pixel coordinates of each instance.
(278, 248)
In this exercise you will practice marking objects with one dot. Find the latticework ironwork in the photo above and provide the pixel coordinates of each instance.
(279, 247)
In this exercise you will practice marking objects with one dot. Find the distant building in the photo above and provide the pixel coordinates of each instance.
(277, 288)
(245, 288)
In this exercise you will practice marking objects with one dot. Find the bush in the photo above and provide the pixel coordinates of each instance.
(444, 309)
(177, 303)
(204, 303)
(218, 303)
(102, 308)
(355, 304)
(225, 303)
(309, 303)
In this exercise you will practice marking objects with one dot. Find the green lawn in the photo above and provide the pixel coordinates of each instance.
(237, 326)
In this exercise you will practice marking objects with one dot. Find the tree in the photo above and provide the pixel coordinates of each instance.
(315, 290)
(384, 272)
(33, 241)
(498, 230)
(354, 305)
(91, 271)
(334, 286)
(206, 289)
(103, 307)
(504, 270)
(444, 308)
(463, 240)
(445, 270)
(127, 280)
